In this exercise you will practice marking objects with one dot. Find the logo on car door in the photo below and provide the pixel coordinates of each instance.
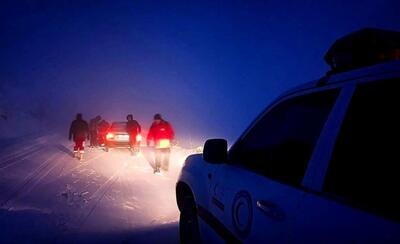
(242, 213)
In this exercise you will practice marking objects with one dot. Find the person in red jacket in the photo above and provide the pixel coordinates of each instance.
(160, 136)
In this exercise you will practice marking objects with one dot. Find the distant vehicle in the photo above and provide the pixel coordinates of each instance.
(319, 165)
(118, 136)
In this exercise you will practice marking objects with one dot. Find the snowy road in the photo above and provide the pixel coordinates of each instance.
(48, 196)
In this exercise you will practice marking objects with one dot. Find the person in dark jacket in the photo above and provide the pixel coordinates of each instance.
(93, 128)
(79, 131)
(134, 129)
(160, 135)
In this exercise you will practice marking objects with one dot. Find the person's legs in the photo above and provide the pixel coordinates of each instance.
(81, 147)
(101, 139)
(158, 158)
(165, 158)
(92, 138)
(137, 146)
(132, 142)
(76, 146)
(95, 139)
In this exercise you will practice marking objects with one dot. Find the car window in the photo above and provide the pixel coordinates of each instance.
(364, 167)
(118, 126)
(280, 144)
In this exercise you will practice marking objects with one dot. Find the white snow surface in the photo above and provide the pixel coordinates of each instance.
(109, 197)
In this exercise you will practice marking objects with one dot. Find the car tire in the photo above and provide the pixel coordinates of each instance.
(188, 222)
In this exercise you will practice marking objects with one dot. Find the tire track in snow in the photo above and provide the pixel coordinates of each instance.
(59, 161)
(82, 164)
(27, 145)
(128, 206)
(77, 167)
(98, 195)
(30, 181)
(16, 153)
(13, 161)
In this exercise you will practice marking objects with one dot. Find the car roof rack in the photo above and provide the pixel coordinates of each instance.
(363, 48)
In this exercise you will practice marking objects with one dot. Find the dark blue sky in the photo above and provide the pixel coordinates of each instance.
(208, 66)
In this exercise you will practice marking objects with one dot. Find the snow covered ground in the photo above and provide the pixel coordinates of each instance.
(48, 196)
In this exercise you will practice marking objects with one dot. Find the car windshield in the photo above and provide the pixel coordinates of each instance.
(118, 126)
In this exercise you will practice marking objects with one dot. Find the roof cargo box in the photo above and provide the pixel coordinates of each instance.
(363, 48)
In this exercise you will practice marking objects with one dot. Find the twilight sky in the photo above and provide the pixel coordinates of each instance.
(208, 66)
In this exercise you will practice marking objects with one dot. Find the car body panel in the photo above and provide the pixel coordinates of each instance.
(323, 220)
(250, 212)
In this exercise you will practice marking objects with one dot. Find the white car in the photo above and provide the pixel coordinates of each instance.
(321, 164)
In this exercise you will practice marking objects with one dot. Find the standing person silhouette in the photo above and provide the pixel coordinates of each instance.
(134, 129)
(160, 136)
(79, 132)
(93, 128)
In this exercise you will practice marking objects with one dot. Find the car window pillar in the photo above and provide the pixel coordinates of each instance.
(318, 165)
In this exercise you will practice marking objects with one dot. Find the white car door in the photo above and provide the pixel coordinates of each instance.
(355, 188)
(255, 197)
(249, 212)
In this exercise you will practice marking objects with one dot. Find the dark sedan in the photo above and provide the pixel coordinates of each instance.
(117, 136)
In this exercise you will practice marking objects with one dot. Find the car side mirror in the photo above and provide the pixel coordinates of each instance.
(215, 151)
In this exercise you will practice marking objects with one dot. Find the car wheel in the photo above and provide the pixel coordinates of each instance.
(188, 222)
